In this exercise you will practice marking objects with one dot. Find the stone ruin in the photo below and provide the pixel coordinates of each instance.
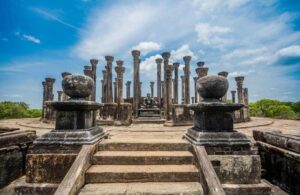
(115, 109)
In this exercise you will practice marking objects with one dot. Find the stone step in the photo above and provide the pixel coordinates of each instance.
(153, 188)
(142, 157)
(141, 173)
(144, 145)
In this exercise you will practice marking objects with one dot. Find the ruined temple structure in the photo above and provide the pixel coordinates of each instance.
(123, 102)
(242, 115)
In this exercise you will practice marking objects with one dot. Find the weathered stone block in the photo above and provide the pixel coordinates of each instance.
(237, 169)
(11, 164)
(48, 168)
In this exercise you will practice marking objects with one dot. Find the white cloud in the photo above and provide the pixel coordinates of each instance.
(147, 47)
(293, 50)
(148, 67)
(212, 35)
(184, 50)
(32, 39)
(243, 53)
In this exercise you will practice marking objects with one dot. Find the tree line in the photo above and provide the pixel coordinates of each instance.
(9, 110)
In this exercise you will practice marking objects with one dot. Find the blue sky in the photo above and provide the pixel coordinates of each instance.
(258, 39)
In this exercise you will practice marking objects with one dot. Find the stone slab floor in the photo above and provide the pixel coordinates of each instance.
(151, 132)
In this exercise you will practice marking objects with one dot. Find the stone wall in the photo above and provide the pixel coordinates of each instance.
(13, 149)
(280, 156)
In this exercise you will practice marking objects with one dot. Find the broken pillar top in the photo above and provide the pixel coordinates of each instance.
(176, 65)
(239, 78)
(187, 59)
(50, 80)
(200, 64)
(223, 73)
(87, 67)
(119, 62)
(94, 62)
(109, 58)
(166, 55)
(136, 53)
(158, 60)
(63, 74)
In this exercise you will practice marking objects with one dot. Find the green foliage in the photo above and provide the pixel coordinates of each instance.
(275, 109)
(10, 110)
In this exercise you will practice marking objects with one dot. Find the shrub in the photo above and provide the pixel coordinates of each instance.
(10, 110)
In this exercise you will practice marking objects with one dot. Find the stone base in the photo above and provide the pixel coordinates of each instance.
(247, 189)
(147, 120)
(237, 169)
(172, 123)
(23, 188)
(224, 139)
(72, 137)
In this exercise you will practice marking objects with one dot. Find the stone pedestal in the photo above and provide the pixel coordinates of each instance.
(232, 154)
(52, 154)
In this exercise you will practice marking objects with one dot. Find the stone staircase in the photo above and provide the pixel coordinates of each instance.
(142, 167)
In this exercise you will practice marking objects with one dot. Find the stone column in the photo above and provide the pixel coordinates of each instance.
(104, 94)
(102, 91)
(128, 83)
(187, 60)
(49, 96)
(94, 63)
(44, 98)
(201, 72)
(176, 66)
(109, 96)
(193, 100)
(136, 80)
(224, 74)
(239, 81)
(64, 96)
(168, 90)
(140, 90)
(245, 94)
(120, 71)
(162, 83)
(88, 72)
(166, 57)
(159, 62)
(59, 96)
(195, 89)
(152, 89)
(182, 89)
(115, 90)
(233, 96)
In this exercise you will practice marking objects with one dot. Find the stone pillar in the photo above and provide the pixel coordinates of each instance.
(136, 81)
(59, 96)
(245, 94)
(49, 97)
(193, 100)
(140, 90)
(44, 98)
(104, 94)
(94, 63)
(152, 89)
(224, 74)
(187, 60)
(159, 62)
(120, 71)
(176, 66)
(166, 57)
(128, 83)
(195, 89)
(115, 91)
(182, 89)
(168, 90)
(173, 81)
(88, 72)
(102, 91)
(201, 72)
(233, 96)
(162, 83)
(239, 81)
(109, 96)
(64, 96)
